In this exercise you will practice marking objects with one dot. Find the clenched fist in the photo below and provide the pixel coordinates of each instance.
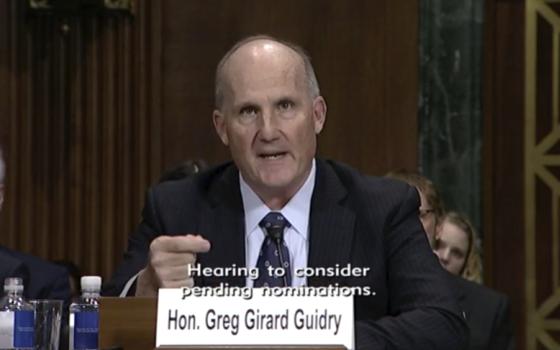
(168, 261)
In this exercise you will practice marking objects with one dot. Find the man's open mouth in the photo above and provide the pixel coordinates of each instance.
(272, 155)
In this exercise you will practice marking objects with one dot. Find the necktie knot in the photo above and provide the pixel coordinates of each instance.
(274, 224)
(274, 255)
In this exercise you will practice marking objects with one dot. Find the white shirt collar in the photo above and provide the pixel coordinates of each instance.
(296, 211)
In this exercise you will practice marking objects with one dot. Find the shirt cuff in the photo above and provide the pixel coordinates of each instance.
(130, 287)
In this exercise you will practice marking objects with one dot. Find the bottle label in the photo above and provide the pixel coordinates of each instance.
(6, 329)
(17, 329)
(24, 329)
(86, 330)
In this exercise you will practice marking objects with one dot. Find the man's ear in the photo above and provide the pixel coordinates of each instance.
(220, 126)
(319, 113)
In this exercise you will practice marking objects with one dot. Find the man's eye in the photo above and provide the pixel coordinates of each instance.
(248, 112)
(285, 105)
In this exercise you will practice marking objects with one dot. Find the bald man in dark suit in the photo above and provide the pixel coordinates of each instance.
(269, 112)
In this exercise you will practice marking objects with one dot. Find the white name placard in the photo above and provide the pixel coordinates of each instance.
(253, 316)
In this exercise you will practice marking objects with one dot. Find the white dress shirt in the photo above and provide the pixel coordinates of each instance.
(296, 211)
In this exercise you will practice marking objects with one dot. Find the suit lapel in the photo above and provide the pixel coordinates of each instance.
(222, 222)
(331, 224)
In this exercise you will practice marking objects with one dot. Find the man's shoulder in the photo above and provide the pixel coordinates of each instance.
(201, 182)
(45, 279)
(475, 293)
(11, 265)
(189, 196)
(39, 267)
(196, 188)
(360, 184)
(9, 256)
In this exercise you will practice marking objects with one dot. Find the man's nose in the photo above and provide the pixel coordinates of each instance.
(268, 130)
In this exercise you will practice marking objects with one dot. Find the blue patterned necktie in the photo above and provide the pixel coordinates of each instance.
(274, 252)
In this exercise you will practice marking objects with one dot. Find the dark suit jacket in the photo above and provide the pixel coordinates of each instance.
(368, 222)
(42, 279)
(487, 314)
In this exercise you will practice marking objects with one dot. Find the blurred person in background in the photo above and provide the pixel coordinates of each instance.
(42, 279)
(458, 248)
(486, 311)
(431, 208)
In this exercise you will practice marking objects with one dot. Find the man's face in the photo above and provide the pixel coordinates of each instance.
(268, 118)
(428, 218)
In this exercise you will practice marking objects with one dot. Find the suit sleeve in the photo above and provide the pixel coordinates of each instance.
(423, 313)
(136, 255)
(502, 336)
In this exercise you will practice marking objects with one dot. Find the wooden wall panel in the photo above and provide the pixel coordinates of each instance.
(84, 97)
(522, 153)
(503, 180)
(365, 54)
(95, 108)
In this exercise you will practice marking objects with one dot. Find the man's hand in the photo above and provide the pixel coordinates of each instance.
(167, 265)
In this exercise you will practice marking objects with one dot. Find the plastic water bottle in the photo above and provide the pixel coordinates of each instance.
(84, 316)
(17, 317)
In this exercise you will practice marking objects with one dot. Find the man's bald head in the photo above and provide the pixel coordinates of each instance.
(269, 115)
(254, 46)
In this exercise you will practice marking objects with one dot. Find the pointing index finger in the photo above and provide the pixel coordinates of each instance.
(184, 244)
